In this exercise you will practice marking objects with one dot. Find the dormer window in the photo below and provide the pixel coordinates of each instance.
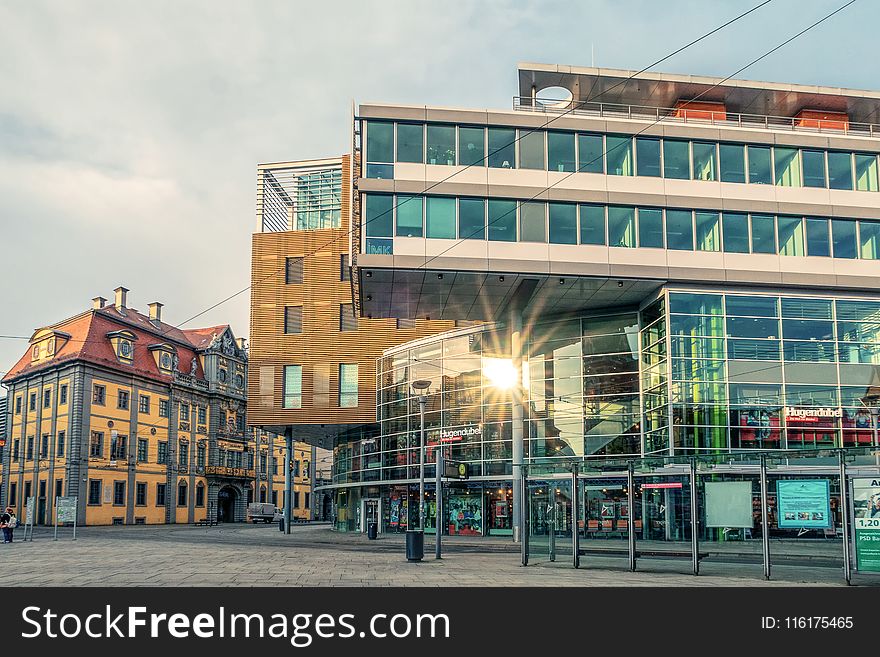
(123, 345)
(125, 349)
(35, 354)
(165, 361)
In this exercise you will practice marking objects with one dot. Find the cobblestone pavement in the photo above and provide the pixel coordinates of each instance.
(247, 555)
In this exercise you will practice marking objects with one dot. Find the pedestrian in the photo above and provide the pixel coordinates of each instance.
(8, 522)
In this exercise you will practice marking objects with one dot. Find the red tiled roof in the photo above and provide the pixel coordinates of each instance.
(89, 342)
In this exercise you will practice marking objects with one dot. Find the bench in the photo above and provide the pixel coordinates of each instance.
(678, 554)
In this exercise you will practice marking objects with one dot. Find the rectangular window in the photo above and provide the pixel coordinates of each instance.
(732, 162)
(292, 386)
(32, 402)
(380, 142)
(472, 218)
(184, 412)
(704, 161)
(502, 148)
(163, 408)
(296, 499)
(621, 226)
(94, 491)
(119, 493)
(440, 217)
(118, 447)
(144, 404)
(591, 154)
(869, 240)
(200, 456)
(99, 395)
(502, 221)
(16, 449)
(162, 452)
(59, 487)
(471, 146)
(347, 319)
(409, 216)
(790, 232)
(183, 453)
(787, 165)
(348, 385)
(651, 228)
(18, 405)
(708, 231)
(763, 233)
(441, 145)
(122, 400)
(96, 445)
(203, 415)
(532, 222)
(866, 172)
(676, 159)
(679, 230)
(378, 215)
(843, 237)
(143, 450)
(293, 319)
(760, 170)
(13, 496)
(321, 385)
(840, 170)
(648, 157)
(44, 446)
(344, 271)
(410, 142)
(818, 240)
(531, 149)
(735, 229)
(140, 496)
(29, 449)
(814, 168)
(160, 494)
(293, 270)
(560, 151)
(59, 449)
(181, 495)
(563, 223)
(200, 495)
(47, 398)
(619, 155)
(592, 224)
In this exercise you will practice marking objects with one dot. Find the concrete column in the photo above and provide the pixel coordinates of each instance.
(515, 327)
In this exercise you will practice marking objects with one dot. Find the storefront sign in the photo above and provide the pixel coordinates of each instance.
(804, 503)
(799, 414)
(457, 435)
(866, 504)
(672, 484)
(455, 469)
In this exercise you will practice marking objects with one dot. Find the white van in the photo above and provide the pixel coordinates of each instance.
(263, 512)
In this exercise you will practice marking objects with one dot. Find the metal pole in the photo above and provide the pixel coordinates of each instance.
(765, 518)
(516, 431)
(56, 520)
(575, 548)
(523, 520)
(438, 488)
(695, 522)
(423, 400)
(288, 448)
(844, 504)
(630, 521)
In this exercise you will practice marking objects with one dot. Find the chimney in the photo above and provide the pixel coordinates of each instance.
(99, 302)
(120, 297)
(155, 311)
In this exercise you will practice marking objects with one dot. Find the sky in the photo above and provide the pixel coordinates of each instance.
(130, 131)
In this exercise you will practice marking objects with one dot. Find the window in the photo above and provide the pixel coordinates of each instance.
(732, 159)
(440, 217)
(183, 453)
(184, 412)
(704, 161)
(203, 415)
(348, 385)
(866, 172)
(648, 157)
(44, 446)
(818, 241)
(293, 270)
(840, 170)
(790, 232)
(676, 159)
(344, 271)
(307, 500)
(814, 168)
(787, 166)
(122, 400)
(763, 233)
(679, 230)
(275, 497)
(735, 229)
(378, 215)
(59, 449)
(347, 319)
(380, 142)
(404, 323)
(532, 222)
(119, 493)
(708, 231)
(143, 450)
(29, 450)
(32, 401)
(472, 218)
(163, 408)
(531, 149)
(96, 445)
(591, 154)
(13, 490)
(592, 224)
(162, 452)
(760, 171)
(16, 449)
(18, 405)
(296, 499)
(502, 221)
(621, 226)
(200, 495)
(869, 240)
(160, 494)
(99, 394)
(200, 456)
(293, 317)
(441, 145)
(144, 404)
(563, 223)
(410, 138)
(471, 146)
(140, 495)
(47, 398)
(59, 487)
(292, 386)
(117, 447)
(618, 153)
(560, 151)
(94, 491)
(409, 216)
(181, 494)
(651, 228)
(502, 148)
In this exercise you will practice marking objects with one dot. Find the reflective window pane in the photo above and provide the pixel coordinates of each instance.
(619, 155)
(472, 218)
(502, 220)
(470, 146)
(409, 142)
(592, 224)
(560, 151)
(441, 144)
(840, 170)
(679, 230)
(708, 231)
(378, 215)
(563, 223)
(409, 216)
(502, 148)
(760, 171)
(866, 172)
(788, 167)
(754, 306)
(818, 240)
(814, 168)
(651, 227)
(531, 222)
(648, 157)
(380, 141)
(676, 159)
(704, 161)
(621, 226)
(736, 232)
(843, 238)
(531, 149)
(440, 217)
(763, 233)
(733, 163)
(869, 240)
(790, 231)
(591, 154)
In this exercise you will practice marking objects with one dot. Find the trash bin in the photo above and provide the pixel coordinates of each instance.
(281, 525)
(415, 544)
(372, 531)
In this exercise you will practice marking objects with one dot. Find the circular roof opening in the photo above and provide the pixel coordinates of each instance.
(554, 97)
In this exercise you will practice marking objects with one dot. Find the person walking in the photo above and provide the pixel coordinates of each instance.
(8, 522)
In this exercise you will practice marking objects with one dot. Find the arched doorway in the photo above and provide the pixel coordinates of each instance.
(226, 498)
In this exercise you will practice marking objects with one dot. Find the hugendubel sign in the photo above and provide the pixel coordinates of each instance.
(457, 435)
(805, 414)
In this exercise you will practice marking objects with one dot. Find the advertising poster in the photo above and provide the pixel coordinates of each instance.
(729, 504)
(65, 509)
(804, 503)
(866, 506)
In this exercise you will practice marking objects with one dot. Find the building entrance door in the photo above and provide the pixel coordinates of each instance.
(369, 513)
(226, 504)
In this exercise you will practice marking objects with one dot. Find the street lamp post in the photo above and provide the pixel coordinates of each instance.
(415, 544)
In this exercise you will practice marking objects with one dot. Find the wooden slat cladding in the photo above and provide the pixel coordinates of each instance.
(321, 346)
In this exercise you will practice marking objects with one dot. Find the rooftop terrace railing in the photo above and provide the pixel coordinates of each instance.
(696, 115)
